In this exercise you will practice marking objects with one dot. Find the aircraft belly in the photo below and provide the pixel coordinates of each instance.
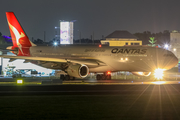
(101, 69)
(137, 65)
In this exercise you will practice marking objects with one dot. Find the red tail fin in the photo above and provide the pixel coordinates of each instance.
(19, 37)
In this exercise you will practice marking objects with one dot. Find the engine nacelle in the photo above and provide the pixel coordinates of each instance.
(77, 70)
(141, 73)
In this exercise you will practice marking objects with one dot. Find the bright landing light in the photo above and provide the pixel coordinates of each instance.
(158, 74)
(159, 82)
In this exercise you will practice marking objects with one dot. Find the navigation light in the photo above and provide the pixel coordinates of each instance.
(108, 72)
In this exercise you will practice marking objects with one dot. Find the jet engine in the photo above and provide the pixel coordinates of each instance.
(141, 73)
(77, 70)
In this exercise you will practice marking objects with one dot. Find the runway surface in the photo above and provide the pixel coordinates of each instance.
(13, 90)
(79, 100)
(82, 87)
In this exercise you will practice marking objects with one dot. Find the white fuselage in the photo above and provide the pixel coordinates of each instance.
(126, 58)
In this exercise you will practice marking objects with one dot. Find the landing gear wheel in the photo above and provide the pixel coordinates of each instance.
(67, 77)
(98, 77)
(103, 77)
(62, 77)
(108, 77)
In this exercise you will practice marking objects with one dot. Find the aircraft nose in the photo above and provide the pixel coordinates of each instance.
(169, 60)
(173, 62)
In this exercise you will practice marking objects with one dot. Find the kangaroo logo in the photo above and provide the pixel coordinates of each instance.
(17, 35)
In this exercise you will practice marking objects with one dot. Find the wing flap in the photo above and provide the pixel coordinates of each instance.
(89, 62)
(35, 58)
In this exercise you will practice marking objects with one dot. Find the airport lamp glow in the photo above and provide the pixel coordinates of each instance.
(19, 81)
(166, 46)
(55, 43)
(159, 73)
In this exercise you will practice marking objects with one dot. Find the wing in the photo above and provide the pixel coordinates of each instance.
(85, 60)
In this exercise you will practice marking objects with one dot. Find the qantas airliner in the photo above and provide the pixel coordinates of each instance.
(78, 61)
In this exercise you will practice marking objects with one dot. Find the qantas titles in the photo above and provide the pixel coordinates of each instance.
(122, 51)
(129, 51)
(94, 50)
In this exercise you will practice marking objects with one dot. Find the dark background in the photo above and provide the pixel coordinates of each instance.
(98, 16)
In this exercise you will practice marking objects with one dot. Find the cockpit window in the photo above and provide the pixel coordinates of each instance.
(168, 54)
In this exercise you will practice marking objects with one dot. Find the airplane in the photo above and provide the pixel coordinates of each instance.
(78, 61)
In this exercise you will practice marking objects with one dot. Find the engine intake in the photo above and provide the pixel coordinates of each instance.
(77, 70)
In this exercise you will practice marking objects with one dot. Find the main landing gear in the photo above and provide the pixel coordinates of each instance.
(66, 77)
(103, 77)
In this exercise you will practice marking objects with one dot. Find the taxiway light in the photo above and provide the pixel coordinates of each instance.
(100, 45)
(158, 73)
(19, 81)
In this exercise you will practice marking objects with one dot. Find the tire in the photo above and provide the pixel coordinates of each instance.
(103, 77)
(67, 77)
(108, 77)
(98, 77)
(62, 77)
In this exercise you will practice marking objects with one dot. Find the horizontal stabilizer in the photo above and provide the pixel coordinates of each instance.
(34, 58)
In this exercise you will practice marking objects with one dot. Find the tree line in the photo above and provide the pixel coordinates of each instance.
(161, 37)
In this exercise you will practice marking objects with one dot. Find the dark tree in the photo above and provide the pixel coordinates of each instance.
(38, 41)
(161, 38)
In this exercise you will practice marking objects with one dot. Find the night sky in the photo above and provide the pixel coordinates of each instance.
(101, 16)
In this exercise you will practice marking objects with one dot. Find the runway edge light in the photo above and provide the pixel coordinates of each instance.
(19, 81)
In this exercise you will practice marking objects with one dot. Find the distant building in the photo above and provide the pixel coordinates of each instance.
(175, 43)
(121, 38)
(66, 32)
